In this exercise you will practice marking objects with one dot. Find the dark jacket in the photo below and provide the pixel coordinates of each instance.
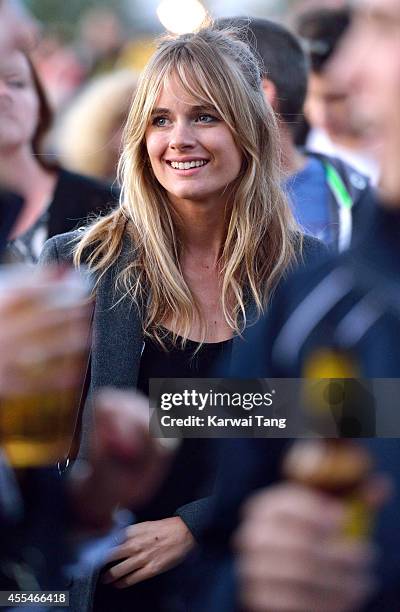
(10, 207)
(75, 198)
(349, 303)
(116, 352)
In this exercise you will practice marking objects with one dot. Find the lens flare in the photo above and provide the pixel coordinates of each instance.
(181, 16)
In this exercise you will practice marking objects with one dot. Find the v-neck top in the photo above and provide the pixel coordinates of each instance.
(176, 361)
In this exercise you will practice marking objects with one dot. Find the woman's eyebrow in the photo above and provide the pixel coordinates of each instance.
(203, 107)
(161, 111)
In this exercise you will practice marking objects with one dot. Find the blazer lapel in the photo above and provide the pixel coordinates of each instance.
(117, 334)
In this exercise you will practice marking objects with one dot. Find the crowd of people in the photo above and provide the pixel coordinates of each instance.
(232, 211)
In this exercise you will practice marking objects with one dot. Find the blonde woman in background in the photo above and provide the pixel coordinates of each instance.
(201, 239)
(88, 136)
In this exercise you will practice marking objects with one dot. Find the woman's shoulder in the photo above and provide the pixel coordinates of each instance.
(60, 249)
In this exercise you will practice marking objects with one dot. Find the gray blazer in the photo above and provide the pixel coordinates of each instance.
(118, 334)
(116, 352)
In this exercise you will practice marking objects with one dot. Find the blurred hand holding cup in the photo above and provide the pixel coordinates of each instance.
(44, 338)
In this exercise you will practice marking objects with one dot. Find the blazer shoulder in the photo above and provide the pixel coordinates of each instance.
(60, 249)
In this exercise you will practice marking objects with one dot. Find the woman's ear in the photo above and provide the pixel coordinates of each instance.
(270, 93)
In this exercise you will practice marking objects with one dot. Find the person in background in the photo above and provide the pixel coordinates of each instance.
(340, 316)
(101, 39)
(15, 33)
(55, 200)
(19, 29)
(330, 199)
(88, 133)
(58, 66)
(328, 104)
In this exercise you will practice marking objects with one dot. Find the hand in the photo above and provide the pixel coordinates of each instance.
(41, 347)
(292, 557)
(125, 463)
(149, 549)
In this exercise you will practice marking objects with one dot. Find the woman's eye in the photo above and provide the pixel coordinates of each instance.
(16, 83)
(206, 118)
(160, 121)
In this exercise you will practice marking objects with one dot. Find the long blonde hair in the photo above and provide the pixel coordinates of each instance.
(215, 67)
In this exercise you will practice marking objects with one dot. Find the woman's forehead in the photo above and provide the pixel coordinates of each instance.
(174, 91)
(14, 61)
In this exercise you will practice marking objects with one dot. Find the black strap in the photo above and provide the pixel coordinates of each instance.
(76, 436)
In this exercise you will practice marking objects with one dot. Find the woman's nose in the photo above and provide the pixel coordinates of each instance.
(182, 136)
(4, 90)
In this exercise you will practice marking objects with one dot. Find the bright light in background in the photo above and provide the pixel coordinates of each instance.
(181, 16)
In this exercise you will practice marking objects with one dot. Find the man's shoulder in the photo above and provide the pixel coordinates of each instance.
(311, 253)
(355, 181)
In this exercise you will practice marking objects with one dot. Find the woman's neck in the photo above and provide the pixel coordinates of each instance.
(20, 172)
(202, 230)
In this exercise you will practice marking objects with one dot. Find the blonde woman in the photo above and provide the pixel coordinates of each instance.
(201, 239)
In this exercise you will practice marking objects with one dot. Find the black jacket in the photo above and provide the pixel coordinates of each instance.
(358, 294)
(75, 198)
(10, 207)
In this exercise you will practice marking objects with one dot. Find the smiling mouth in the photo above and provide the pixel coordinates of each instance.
(188, 165)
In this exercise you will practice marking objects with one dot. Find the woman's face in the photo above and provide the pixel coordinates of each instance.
(19, 105)
(191, 149)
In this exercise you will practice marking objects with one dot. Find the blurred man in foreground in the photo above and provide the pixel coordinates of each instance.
(361, 321)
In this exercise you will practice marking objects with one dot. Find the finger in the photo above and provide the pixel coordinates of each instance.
(123, 569)
(38, 321)
(289, 502)
(122, 426)
(123, 551)
(302, 572)
(377, 491)
(269, 597)
(139, 575)
(273, 540)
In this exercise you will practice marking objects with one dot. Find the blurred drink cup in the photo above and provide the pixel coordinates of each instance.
(44, 339)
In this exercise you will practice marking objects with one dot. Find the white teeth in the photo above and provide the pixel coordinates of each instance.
(187, 165)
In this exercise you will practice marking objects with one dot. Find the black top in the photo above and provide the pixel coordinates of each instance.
(191, 477)
(76, 199)
(177, 362)
(10, 207)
